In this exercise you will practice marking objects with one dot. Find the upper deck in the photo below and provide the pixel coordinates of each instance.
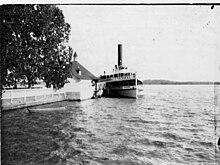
(118, 76)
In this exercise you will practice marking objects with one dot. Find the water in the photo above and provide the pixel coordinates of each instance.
(169, 125)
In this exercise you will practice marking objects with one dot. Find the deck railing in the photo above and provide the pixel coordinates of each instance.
(118, 77)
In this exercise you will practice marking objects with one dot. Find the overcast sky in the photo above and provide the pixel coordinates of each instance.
(179, 43)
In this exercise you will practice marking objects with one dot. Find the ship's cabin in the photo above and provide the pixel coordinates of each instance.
(117, 76)
(128, 78)
(123, 83)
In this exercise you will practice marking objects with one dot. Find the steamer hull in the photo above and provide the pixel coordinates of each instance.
(122, 88)
(122, 92)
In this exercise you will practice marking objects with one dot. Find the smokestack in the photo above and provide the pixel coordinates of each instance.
(119, 55)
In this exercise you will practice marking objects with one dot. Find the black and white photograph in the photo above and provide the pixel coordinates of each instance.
(110, 83)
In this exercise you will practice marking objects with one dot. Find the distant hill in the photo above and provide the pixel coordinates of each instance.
(168, 82)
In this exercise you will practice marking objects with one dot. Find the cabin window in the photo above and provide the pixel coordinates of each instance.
(132, 82)
(108, 85)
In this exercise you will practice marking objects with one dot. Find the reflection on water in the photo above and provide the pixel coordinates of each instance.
(169, 125)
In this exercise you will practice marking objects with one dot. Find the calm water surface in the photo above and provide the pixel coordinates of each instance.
(169, 125)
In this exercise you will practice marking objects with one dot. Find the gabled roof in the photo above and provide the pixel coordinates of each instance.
(85, 74)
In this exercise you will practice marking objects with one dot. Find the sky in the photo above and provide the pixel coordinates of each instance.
(179, 43)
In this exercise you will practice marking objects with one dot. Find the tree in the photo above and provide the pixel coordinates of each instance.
(55, 72)
(33, 41)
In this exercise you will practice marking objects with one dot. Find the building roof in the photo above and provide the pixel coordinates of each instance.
(84, 73)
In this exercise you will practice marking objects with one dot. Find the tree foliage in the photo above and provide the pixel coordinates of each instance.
(33, 45)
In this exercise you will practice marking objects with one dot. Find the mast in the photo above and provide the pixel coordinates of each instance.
(136, 89)
(136, 80)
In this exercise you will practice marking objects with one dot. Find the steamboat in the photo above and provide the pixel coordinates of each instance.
(120, 83)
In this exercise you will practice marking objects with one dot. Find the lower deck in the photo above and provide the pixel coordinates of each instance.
(120, 88)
